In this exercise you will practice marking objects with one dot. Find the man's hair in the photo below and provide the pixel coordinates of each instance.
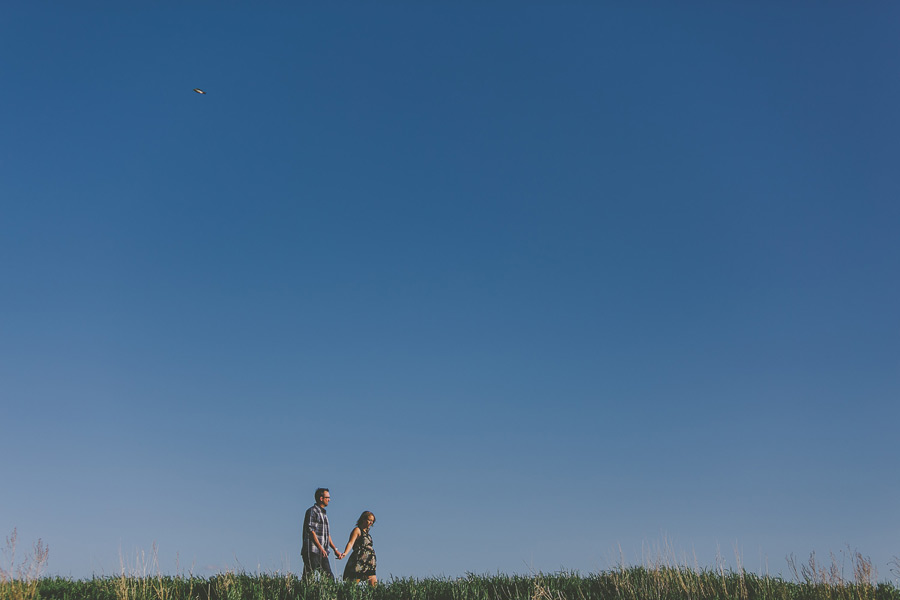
(320, 492)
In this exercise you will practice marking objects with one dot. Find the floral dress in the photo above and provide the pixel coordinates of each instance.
(361, 563)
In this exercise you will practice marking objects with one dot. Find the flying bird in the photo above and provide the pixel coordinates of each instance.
(199, 91)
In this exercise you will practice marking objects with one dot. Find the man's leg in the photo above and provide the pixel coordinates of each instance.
(325, 566)
(316, 562)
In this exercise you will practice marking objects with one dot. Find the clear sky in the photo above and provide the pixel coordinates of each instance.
(534, 282)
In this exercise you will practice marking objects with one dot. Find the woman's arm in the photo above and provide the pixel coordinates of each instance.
(353, 535)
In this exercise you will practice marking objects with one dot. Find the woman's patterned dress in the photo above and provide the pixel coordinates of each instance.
(361, 563)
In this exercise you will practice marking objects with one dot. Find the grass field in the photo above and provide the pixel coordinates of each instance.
(634, 583)
(656, 580)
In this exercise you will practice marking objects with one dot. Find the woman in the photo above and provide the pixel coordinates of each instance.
(361, 564)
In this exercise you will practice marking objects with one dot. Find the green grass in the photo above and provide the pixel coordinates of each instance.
(632, 583)
(660, 579)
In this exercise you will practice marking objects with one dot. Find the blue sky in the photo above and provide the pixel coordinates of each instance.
(542, 286)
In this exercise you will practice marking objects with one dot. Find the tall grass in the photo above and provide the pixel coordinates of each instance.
(661, 578)
(20, 578)
(630, 583)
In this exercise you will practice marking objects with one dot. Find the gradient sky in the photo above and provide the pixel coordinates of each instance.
(543, 285)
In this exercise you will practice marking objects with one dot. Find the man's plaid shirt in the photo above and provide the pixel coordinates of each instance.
(315, 522)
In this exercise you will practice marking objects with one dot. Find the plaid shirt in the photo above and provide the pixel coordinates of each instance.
(315, 522)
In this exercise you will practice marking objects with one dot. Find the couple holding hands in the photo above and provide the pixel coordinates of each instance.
(317, 539)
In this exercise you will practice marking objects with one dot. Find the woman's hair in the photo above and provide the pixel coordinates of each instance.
(363, 521)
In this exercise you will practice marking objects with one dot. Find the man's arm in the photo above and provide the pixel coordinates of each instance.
(336, 551)
(318, 543)
(314, 523)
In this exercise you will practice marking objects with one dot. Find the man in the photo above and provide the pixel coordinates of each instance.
(317, 536)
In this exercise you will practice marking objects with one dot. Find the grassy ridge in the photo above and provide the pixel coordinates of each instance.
(662, 579)
(632, 583)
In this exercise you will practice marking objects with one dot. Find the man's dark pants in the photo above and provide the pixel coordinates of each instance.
(316, 562)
